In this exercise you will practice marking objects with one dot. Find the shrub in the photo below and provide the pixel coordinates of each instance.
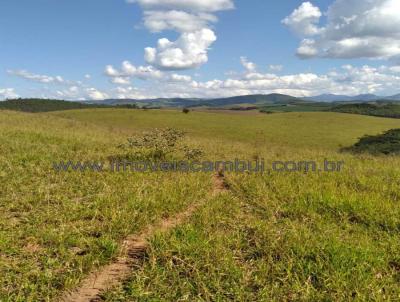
(386, 143)
(159, 144)
(185, 110)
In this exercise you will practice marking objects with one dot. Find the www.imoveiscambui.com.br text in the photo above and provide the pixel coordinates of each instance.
(239, 166)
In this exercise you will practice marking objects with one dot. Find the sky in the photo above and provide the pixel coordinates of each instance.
(100, 49)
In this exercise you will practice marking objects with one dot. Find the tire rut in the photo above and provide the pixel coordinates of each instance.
(133, 254)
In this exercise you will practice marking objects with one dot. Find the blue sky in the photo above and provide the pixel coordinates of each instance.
(62, 48)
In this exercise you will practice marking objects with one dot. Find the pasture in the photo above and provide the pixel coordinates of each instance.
(272, 236)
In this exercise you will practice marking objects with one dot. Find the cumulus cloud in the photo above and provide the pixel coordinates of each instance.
(179, 78)
(249, 66)
(56, 87)
(95, 94)
(77, 93)
(307, 49)
(120, 80)
(354, 29)
(131, 93)
(348, 79)
(303, 20)
(8, 93)
(192, 20)
(128, 71)
(189, 51)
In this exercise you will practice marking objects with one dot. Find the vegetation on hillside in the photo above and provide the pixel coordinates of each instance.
(44, 105)
(386, 143)
(382, 109)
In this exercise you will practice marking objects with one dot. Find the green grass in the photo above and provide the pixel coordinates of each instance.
(46, 217)
(274, 237)
(300, 107)
(317, 130)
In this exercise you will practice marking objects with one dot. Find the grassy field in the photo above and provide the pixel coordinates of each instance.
(300, 107)
(276, 236)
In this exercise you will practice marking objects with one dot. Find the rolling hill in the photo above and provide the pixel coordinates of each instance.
(356, 98)
(258, 99)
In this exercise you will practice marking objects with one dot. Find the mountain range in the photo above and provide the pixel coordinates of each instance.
(247, 100)
(346, 98)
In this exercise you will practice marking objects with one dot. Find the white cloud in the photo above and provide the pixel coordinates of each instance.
(303, 20)
(121, 81)
(190, 18)
(307, 49)
(180, 21)
(190, 5)
(395, 69)
(354, 29)
(88, 76)
(36, 77)
(111, 71)
(249, 66)
(179, 78)
(128, 71)
(94, 94)
(131, 93)
(348, 80)
(275, 67)
(189, 51)
(8, 93)
(76, 93)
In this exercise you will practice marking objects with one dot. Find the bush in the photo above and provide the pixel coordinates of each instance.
(386, 143)
(185, 110)
(159, 144)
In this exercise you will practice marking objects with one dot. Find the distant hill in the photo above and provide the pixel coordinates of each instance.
(44, 105)
(258, 99)
(264, 102)
(356, 98)
(379, 109)
(343, 98)
(159, 102)
(395, 97)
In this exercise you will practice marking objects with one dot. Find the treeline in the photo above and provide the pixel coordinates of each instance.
(43, 105)
(390, 110)
(47, 105)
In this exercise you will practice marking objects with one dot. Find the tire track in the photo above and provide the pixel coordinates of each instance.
(133, 253)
